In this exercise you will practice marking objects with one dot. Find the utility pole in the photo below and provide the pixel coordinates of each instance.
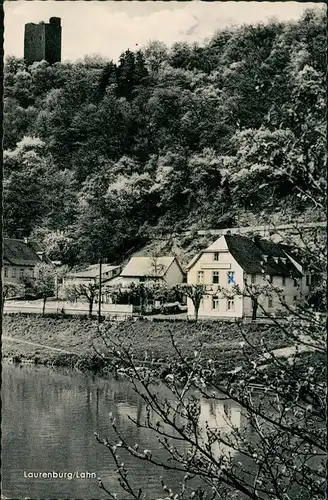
(56, 285)
(100, 283)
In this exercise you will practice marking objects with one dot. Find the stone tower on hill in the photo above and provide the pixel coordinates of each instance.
(43, 41)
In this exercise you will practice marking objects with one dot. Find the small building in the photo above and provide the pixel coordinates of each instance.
(91, 275)
(141, 269)
(20, 259)
(238, 260)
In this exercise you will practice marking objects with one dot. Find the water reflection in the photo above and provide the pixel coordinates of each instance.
(48, 420)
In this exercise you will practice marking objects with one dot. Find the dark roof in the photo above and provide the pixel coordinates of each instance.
(19, 253)
(294, 252)
(35, 246)
(260, 256)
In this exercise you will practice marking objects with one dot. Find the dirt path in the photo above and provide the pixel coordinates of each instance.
(57, 349)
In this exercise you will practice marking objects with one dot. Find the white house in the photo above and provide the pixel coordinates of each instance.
(238, 260)
(91, 275)
(140, 269)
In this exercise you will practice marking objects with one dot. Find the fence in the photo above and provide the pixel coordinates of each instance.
(60, 307)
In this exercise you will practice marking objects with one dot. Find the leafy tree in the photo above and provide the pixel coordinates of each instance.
(58, 245)
(43, 284)
(131, 72)
(18, 122)
(10, 289)
(205, 125)
(155, 54)
(108, 77)
(35, 192)
(24, 195)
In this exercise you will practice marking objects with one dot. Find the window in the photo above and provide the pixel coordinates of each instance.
(6, 272)
(231, 304)
(270, 303)
(215, 277)
(307, 280)
(313, 279)
(200, 277)
(13, 273)
(295, 282)
(295, 299)
(215, 303)
(253, 278)
(31, 272)
(270, 279)
(231, 277)
(216, 256)
(283, 281)
(201, 305)
(21, 273)
(142, 279)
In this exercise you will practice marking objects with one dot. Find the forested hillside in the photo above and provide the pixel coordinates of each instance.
(100, 157)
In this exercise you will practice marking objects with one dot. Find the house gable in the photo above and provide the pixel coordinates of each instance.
(174, 273)
(206, 266)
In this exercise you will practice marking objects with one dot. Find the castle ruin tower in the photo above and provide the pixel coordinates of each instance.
(42, 41)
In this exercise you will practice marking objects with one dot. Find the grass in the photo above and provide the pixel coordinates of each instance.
(71, 334)
(220, 342)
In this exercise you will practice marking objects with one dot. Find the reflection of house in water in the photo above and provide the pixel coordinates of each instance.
(126, 410)
(223, 416)
(218, 414)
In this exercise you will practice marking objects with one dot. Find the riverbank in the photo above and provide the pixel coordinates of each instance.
(76, 342)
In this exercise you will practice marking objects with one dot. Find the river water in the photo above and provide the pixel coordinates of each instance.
(48, 421)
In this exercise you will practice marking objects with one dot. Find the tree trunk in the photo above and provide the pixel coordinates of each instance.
(196, 307)
(44, 305)
(100, 295)
(90, 307)
(254, 309)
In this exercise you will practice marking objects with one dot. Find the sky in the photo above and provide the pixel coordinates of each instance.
(110, 27)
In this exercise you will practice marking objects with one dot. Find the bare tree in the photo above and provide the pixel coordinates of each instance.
(280, 452)
(195, 293)
(88, 291)
(157, 268)
(43, 284)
